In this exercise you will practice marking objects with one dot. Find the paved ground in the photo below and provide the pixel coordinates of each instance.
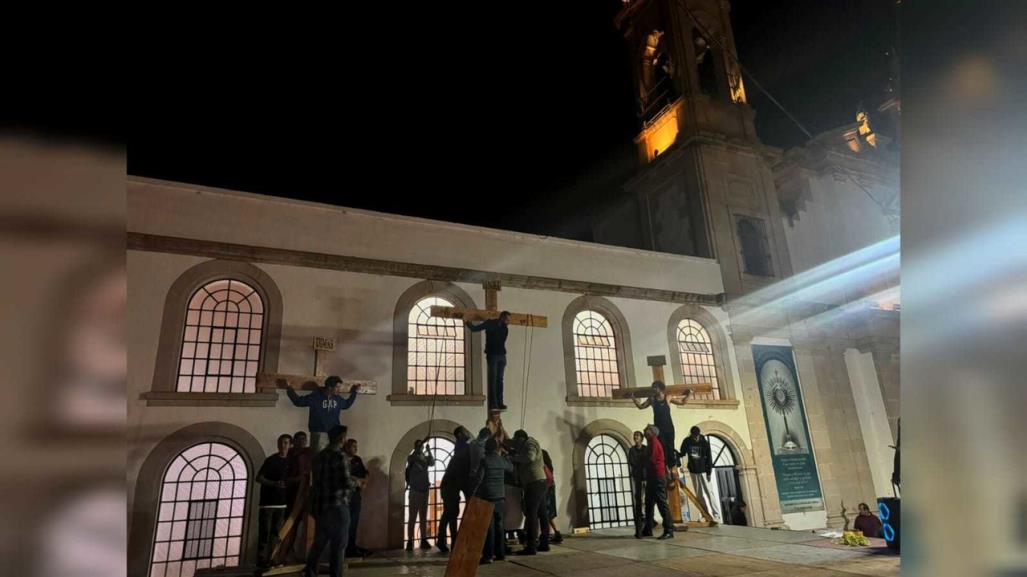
(722, 551)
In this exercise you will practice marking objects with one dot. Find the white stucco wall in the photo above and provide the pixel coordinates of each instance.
(837, 219)
(873, 420)
(358, 308)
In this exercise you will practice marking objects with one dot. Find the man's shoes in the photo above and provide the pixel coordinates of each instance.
(543, 548)
(647, 533)
(500, 558)
(442, 547)
(558, 538)
(527, 551)
(424, 544)
(410, 546)
(665, 536)
(485, 561)
(502, 407)
(638, 535)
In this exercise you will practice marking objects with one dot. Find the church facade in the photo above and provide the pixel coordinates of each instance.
(770, 274)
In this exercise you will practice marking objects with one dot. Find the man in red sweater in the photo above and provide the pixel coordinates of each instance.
(656, 485)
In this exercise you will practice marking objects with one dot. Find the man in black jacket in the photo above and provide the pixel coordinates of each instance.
(329, 503)
(700, 465)
(495, 355)
(454, 481)
(419, 463)
(493, 489)
(636, 469)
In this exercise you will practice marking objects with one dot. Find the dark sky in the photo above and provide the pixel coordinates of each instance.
(489, 115)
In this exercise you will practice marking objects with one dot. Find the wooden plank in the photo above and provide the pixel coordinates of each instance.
(672, 390)
(463, 562)
(478, 315)
(310, 383)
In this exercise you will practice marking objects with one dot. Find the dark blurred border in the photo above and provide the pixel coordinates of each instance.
(62, 225)
(964, 287)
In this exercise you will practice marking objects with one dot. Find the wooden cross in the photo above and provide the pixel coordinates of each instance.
(657, 363)
(316, 380)
(674, 487)
(491, 310)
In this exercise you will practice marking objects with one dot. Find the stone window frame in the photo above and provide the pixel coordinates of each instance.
(150, 482)
(163, 390)
(579, 499)
(766, 246)
(625, 360)
(397, 483)
(719, 341)
(473, 395)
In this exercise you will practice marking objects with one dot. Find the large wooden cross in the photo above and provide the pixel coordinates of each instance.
(316, 380)
(491, 310)
(674, 487)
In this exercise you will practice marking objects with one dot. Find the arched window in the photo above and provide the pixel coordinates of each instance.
(221, 344)
(201, 511)
(435, 351)
(695, 352)
(595, 355)
(607, 483)
(442, 450)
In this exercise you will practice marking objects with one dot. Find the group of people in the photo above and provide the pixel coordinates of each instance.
(695, 448)
(490, 466)
(334, 470)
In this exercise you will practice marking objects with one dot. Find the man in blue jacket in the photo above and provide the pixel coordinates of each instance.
(496, 331)
(326, 405)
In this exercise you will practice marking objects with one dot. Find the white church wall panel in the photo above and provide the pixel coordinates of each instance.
(187, 211)
(357, 309)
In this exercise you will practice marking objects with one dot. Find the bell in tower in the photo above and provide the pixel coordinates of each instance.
(686, 71)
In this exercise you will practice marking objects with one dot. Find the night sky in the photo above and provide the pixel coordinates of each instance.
(508, 115)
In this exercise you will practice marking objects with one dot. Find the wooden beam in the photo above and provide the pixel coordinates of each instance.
(463, 561)
(478, 315)
(672, 390)
(301, 258)
(492, 289)
(310, 383)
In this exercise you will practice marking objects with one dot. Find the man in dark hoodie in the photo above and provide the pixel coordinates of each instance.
(496, 331)
(637, 466)
(492, 489)
(326, 405)
(454, 480)
(700, 466)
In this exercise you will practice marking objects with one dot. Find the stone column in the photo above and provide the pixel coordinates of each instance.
(766, 512)
(842, 462)
(885, 352)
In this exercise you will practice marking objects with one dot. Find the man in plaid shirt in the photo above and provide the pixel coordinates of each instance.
(329, 504)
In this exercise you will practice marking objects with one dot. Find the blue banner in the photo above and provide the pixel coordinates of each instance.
(798, 485)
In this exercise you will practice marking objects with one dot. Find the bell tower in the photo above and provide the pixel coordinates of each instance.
(705, 188)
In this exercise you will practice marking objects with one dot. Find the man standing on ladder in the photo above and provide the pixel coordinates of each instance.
(496, 331)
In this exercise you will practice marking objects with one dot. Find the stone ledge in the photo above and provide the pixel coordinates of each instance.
(713, 404)
(451, 400)
(599, 402)
(178, 399)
